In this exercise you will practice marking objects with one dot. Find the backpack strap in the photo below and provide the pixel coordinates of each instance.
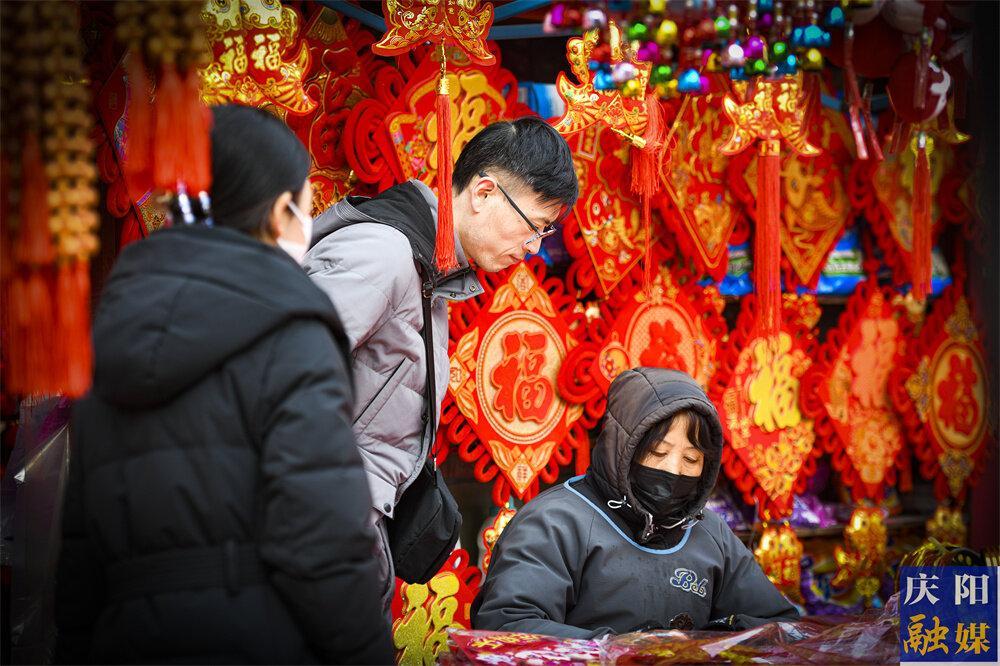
(427, 333)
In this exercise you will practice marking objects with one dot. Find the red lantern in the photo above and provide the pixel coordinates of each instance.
(902, 84)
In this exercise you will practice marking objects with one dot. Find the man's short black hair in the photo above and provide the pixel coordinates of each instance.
(529, 149)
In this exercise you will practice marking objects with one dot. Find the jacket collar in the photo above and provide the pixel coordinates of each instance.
(459, 285)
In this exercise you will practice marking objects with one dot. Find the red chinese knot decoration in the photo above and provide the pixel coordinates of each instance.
(771, 453)
(814, 204)
(940, 386)
(503, 410)
(847, 393)
(702, 211)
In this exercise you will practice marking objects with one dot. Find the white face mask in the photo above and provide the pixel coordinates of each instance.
(297, 251)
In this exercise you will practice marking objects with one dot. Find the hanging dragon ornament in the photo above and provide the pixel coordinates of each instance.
(773, 111)
(458, 23)
(638, 120)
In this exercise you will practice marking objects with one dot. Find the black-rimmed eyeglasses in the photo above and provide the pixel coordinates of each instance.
(536, 233)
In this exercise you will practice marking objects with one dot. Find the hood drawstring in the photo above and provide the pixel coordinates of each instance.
(617, 504)
(685, 523)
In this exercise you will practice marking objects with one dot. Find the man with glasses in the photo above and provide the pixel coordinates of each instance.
(512, 185)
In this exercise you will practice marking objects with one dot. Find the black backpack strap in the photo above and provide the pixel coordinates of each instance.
(427, 333)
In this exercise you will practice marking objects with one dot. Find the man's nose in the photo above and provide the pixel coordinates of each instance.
(534, 246)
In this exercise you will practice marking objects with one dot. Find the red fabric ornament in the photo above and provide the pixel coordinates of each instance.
(846, 392)
(502, 410)
(940, 387)
(815, 207)
(774, 110)
(699, 208)
(673, 324)
(462, 24)
(771, 453)
(884, 194)
(604, 232)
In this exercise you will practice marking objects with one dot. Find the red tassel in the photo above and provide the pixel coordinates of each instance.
(853, 93)
(35, 253)
(37, 319)
(73, 293)
(444, 244)
(169, 140)
(139, 122)
(645, 177)
(921, 217)
(767, 240)
(197, 127)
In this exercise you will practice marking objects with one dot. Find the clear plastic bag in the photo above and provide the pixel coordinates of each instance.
(871, 638)
(31, 520)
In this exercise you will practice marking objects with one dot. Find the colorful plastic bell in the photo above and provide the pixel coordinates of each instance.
(689, 82)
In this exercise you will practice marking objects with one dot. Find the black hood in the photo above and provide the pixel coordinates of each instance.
(180, 303)
(637, 400)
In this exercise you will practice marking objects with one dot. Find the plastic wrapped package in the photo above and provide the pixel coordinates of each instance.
(504, 648)
(872, 638)
(32, 507)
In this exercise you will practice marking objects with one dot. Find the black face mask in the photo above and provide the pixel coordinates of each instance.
(663, 494)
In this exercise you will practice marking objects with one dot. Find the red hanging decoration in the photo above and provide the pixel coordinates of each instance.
(771, 453)
(645, 176)
(921, 214)
(846, 392)
(940, 386)
(450, 22)
(503, 411)
(34, 251)
(814, 206)
(775, 110)
(699, 207)
(172, 137)
(444, 245)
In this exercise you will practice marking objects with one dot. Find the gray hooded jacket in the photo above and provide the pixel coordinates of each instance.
(366, 266)
(569, 565)
(367, 270)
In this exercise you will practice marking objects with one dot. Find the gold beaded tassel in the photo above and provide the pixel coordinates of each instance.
(31, 310)
(168, 141)
(72, 198)
(48, 148)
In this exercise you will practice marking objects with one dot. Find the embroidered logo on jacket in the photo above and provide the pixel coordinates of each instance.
(687, 580)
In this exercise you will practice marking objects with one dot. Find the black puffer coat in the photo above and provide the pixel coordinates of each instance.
(216, 503)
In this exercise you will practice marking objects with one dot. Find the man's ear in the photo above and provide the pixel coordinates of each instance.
(480, 189)
(279, 217)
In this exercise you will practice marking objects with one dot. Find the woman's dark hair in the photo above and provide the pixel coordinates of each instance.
(529, 149)
(698, 432)
(255, 158)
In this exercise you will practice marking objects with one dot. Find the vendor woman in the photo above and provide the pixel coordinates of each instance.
(630, 545)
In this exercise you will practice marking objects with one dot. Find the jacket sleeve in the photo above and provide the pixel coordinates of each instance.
(316, 497)
(747, 598)
(533, 577)
(363, 275)
(79, 589)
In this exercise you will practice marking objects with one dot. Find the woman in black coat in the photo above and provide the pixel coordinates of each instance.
(216, 499)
